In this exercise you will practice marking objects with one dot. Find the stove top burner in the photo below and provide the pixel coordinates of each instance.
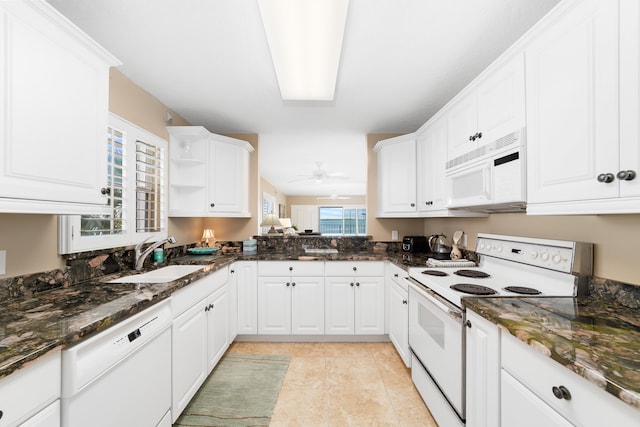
(472, 289)
(435, 273)
(522, 290)
(476, 274)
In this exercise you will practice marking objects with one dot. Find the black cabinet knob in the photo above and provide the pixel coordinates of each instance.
(355, 268)
(395, 274)
(213, 205)
(288, 284)
(472, 138)
(605, 177)
(479, 135)
(413, 205)
(293, 283)
(232, 271)
(351, 284)
(105, 190)
(290, 268)
(626, 175)
(404, 301)
(561, 392)
(357, 283)
(468, 323)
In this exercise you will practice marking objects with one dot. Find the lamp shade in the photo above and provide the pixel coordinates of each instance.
(271, 220)
(286, 222)
(208, 234)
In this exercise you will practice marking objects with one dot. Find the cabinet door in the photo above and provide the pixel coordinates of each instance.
(53, 115)
(483, 372)
(462, 124)
(399, 322)
(274, 305)
(307, 305)
(397, 176)
(188, 153)
(189, 359)
(217, 309)
(501, 102)
(572, 104)
(432, 157)
(630, 96)
(228, 179)
(369, 305)
(247, 279)
(233, 303)
(339, 305)
(48, 417)
(522, 408)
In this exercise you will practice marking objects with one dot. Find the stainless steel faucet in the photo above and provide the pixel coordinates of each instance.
(141, 256)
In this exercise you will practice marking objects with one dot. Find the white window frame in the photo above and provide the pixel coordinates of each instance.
(343, 207)
(70, 240)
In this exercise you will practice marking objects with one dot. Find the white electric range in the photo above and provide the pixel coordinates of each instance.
(508, 266)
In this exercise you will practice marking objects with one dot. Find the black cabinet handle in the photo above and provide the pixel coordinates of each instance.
(561, 392)
(605, 177)
(288, 283)
(351, 284)
(404, 301)
(626, 175)
(472, 138)
(357, 283)
(293, 283)
(232, 271)
(395, 274)
(479, 135)
(468, 323)
(413, 205)
(105, 190)
(213, 205)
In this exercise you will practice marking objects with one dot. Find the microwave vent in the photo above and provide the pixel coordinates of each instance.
(507, 140)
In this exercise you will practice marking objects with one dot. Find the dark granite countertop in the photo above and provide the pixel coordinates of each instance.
(597, 338)
(48, 321)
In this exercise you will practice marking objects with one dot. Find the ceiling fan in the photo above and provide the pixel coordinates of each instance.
(319, 175)
(334, 196)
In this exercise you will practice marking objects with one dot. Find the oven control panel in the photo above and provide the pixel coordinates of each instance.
(550, 254)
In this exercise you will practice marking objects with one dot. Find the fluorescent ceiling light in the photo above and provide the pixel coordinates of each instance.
(305, 39)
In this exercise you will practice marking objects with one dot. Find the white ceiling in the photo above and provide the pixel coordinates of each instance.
(402, 60)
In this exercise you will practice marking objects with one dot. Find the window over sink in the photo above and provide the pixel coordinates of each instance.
(137, 203)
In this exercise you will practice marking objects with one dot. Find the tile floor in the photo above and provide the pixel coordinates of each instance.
(343, 384)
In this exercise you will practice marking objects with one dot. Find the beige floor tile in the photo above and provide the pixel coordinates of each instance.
(262, 348)
(307, 349)
(360, 350)
(360, 407)
(306, 373)
(409, 408)
(301, 407)
(353, 373)
(393, 372)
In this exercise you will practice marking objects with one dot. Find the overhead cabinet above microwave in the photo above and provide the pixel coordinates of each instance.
(53, 115)
(208, 174)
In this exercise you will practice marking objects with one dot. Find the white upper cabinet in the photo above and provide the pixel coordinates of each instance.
(582, 110)
(493, 106)
(209, 174)
(54, 83)
(431, 147)
(396, 176)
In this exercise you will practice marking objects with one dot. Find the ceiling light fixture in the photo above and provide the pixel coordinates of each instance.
(305, 39)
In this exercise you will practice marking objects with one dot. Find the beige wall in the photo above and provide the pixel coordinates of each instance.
(381, 228)
(615, 237)
(281, 198)
(313, 200)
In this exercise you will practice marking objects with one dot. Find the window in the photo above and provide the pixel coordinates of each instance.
(137, 203)
(343, 220)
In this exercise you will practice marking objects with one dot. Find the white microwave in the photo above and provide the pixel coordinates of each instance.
(490, 178)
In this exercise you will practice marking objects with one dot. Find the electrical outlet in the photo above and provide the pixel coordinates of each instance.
(394, 234)
(3, 262)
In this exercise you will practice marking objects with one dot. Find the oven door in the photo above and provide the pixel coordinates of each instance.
(436, 336)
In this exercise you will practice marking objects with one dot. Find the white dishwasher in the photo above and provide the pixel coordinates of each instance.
(122, 376)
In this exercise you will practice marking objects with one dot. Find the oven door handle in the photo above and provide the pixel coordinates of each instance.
(444, 305)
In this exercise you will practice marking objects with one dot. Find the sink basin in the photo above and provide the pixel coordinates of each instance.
(164, 274)
(321, 251)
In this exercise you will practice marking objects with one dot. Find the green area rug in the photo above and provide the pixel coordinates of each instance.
(241, 391)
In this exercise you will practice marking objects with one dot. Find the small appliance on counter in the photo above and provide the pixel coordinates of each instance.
(415, 244)
(438, 247)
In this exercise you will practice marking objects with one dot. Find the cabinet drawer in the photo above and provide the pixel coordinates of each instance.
(289, 268)
(354, 268)
(399, 275)
(197, 291)
(540, 374)
(30, 389)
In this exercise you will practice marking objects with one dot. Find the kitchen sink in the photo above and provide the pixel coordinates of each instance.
(164, 274)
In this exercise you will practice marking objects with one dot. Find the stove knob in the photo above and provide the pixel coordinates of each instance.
(533, 254)
(498, 248)
(544, 255)
(481, 246)
(556, 258)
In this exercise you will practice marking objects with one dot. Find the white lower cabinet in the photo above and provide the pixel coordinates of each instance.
(200, 335)
(354, 304)
(398, 309)
(245, 274)
(483, 372)
(294, 303)
(31, 395)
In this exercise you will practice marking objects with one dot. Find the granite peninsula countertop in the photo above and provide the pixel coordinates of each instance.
(593, 337)
(48, 321)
